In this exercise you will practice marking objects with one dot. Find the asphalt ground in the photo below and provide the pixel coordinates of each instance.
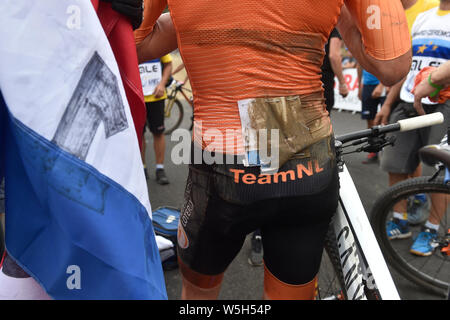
(242, 281)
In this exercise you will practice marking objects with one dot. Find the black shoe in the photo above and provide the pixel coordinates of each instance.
(256, 255)
(146, 173)
(161, 177)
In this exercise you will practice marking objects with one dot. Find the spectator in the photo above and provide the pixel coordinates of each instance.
(332, 67)
(431, 46)
(435, 86)
(348, 61)
(372, 93)
(154, 75)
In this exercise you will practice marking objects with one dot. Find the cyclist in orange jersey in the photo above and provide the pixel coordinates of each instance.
(256, 65)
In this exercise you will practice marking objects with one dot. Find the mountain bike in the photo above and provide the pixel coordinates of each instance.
(423, 196)
(173, 110)
(353, 266)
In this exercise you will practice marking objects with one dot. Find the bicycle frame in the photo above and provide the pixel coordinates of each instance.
(361, 258)
(171, 97)
(365, 270)
(168, 107)
(188, 99)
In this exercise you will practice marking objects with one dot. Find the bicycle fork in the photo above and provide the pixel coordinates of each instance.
(365, 272)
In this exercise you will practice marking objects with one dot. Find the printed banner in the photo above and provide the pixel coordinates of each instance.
(351, 102)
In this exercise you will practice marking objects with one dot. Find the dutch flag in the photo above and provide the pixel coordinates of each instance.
(78, 216)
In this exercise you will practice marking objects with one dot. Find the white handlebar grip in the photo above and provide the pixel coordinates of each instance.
(421, 121)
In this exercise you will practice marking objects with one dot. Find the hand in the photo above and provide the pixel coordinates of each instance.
(376, 93)
(422, 90)
(132, 9)
(343, 89)
(382, 117)
(387, 90)
(159, 90)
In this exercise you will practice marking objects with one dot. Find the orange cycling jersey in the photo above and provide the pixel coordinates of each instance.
(383, 26)
(235, 50)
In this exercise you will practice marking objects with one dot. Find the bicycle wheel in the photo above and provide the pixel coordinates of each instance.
(331, 284)
(431, 272)
(173, 117)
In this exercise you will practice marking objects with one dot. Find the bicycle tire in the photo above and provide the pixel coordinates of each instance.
(380, 215)
(331, 283)
(171, 128)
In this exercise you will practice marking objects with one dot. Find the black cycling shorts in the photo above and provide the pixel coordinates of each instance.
(370, 105)
(155, 116)
(223, 203)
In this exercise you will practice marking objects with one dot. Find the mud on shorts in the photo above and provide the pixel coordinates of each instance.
(403, 157)
(292, 208)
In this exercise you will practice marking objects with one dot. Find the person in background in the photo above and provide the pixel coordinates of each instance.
(372, 93)
(348, 61)
(436, 86)
(412, 9)
(154, 75)
(431, 47)
(332, 67)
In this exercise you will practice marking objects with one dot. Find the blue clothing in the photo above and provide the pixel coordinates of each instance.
(369, 79)
(2, 196)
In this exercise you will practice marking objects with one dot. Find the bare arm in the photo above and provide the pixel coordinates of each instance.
(161, 87)
(440, 78)
(167, 72)
(392, 97)
(442, 75)
(378, 91)
(380, 43)
(336, 64)
(336, 58)
(360, 80)
(159, 42)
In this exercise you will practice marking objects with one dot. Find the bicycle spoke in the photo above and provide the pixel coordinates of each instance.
(430, 271)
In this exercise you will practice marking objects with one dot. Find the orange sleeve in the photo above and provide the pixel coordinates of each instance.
(152, 11)
(383, 26)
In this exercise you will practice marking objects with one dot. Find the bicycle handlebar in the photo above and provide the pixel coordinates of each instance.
(421, 121)
(401, 125)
